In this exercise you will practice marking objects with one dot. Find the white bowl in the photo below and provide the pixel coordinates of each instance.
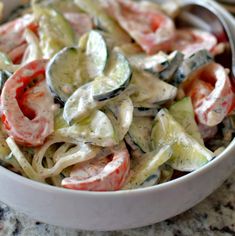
(115, 210)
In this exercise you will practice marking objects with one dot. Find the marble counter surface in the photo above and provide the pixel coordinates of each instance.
(214, 216)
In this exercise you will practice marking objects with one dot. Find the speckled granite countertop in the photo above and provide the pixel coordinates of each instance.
(214, 216)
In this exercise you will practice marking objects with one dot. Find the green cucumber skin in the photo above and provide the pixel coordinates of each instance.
(113, 93)
(54, 87)
(143, 140)
(168, 67)
(120, 72)
(191, 64)
(145, 112)
(168, 73)
(133, 146)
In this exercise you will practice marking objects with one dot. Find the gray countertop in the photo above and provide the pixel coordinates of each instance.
(214, 216)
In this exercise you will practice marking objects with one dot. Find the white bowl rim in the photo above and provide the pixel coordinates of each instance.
(60, 190)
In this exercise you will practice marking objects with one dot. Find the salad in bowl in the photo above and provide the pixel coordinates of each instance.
(110, 95)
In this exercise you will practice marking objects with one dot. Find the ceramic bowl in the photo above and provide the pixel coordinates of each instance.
(115, 210)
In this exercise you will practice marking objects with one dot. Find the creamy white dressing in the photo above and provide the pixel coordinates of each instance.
(152, 89)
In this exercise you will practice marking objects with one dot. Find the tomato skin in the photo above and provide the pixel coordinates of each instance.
(211, 92)
(12, 33)
(153, 30)
(189, 41)
(12, 38)
(108, 174)
(27, 129)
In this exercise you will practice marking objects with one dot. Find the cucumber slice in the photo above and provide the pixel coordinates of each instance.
(140, 132)
(175, 59)
(94, 54)
(147, 166)
(183, 113)
(133, 147)
(54, 30)
(191, 64)
(150, 89)
(73, 67)
(188, 154)
(96, 129)
(116, 79)
(61, 73)
(162, 65)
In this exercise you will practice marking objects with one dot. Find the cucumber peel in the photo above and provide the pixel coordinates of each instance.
(115, 80)
(191, 64)
(140, 132)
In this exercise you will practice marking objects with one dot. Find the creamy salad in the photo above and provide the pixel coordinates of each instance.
(108, 95)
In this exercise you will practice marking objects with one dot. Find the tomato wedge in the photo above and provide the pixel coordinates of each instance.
(190, 41)
(106, 174)
(211, 92)
(12, 33)
(27, 89)
(150, 27)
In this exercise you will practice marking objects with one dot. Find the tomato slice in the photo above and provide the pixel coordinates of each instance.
(211, 92)
(150, 27)
(106, 174)
(12, 33)
(32, 128)
(189, 41)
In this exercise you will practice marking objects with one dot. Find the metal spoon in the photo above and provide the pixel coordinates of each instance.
(203, 15)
